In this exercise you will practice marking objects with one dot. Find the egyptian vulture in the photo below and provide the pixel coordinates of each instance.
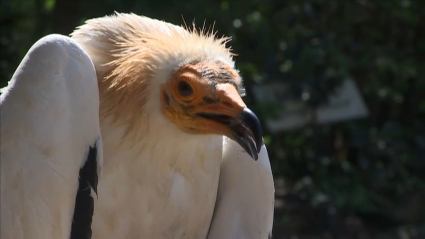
(131, 128)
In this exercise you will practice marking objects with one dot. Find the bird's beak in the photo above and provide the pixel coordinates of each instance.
(230, 116)
(246, 130)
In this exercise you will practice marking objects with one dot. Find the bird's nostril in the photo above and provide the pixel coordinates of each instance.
(228, 104)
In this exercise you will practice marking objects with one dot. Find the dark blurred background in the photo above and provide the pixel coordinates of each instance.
(338, 85)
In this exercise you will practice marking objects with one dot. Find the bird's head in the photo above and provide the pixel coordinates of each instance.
(204, 98)
(188, 75)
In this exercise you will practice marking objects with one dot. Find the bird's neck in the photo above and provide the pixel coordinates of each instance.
(158, 144)
(158, 176)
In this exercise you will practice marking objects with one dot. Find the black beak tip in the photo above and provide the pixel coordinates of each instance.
(255, 156)
(251, 121)
(245, 128)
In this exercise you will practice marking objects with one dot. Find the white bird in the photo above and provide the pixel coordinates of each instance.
(50, 137)
(176, 136)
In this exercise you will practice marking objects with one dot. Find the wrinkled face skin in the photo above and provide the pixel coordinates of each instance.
(204, 98)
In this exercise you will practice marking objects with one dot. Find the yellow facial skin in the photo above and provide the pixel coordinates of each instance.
(204, 98)
(189, 95)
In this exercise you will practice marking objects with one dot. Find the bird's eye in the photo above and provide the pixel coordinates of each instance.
(184, 89)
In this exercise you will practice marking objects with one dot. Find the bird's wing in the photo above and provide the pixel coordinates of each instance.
(51, 147)
(245, 199)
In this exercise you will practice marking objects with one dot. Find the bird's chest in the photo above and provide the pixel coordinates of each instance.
(148, 199)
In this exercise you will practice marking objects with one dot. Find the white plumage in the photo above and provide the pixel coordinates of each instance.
(169, 169)
(245, 200)
(49, 118)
